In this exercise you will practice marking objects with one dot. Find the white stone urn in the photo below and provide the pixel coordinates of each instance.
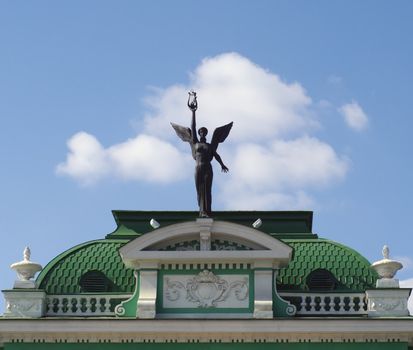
(25, 270)
(387, 269)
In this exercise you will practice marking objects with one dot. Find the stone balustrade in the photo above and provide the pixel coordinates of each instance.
(83, 305)
(329, 304)
(307, 304)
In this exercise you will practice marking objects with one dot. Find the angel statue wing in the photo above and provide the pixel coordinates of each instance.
(220, 134)
(183, 132)
(185, 135)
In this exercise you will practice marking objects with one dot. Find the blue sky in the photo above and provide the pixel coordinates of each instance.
(324, 87)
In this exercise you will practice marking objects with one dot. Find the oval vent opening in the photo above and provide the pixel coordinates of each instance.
(321, 279)
(94, 282)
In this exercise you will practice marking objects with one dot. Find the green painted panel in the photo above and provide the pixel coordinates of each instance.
(207, 346)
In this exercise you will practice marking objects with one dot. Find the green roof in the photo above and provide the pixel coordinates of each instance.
(62, 274)
(351, 269)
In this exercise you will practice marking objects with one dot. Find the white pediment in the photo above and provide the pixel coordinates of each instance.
(206, 241)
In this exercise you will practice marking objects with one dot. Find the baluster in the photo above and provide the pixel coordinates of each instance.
(303, 305)
(82, 305)
(312, 303)
(351, 304)
(100, 305)
(107, 305)
(88, 305)
(65, 302)
(73, 306)
(59, 306)
(327, 304)
(94, 306)
(322, 303)
(341, 304)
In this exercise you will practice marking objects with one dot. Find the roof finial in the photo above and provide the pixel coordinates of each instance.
(26, 254)
(386, 269)
(25, 270)
(386, 251)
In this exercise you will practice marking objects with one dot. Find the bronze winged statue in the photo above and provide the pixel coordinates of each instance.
(203, 153)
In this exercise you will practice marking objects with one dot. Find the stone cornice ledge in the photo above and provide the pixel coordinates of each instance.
(132, 330)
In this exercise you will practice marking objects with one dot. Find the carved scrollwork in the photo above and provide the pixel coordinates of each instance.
(120, 310)
(240, 289)
(206, 289)
(173, 288)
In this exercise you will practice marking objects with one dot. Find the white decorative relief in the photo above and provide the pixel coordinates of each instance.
(387, 302)
(24, 304)
(388, 305)
(206, 290)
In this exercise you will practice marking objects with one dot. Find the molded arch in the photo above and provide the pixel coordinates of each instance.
(264, 246)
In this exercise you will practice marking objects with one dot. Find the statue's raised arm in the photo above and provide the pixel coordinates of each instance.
(193, 106)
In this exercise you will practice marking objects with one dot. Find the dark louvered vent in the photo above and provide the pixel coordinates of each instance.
(94, 282)
(321, 279)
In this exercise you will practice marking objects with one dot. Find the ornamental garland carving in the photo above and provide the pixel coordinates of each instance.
(388, 304)
(206, 290)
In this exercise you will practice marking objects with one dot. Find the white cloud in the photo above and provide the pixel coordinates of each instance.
(86, 160)
(143, 158)
(354, 116)
(232, 88)
(149, 159)
(274, 162)
(408, 284)
(277, 173)
(301, 162)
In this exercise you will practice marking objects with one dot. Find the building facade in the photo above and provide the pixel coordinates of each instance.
(244, 279)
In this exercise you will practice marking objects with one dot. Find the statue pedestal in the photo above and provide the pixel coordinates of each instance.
(388, 299)
(387, 283)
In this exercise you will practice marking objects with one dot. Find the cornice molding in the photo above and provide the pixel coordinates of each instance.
(115, 330)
